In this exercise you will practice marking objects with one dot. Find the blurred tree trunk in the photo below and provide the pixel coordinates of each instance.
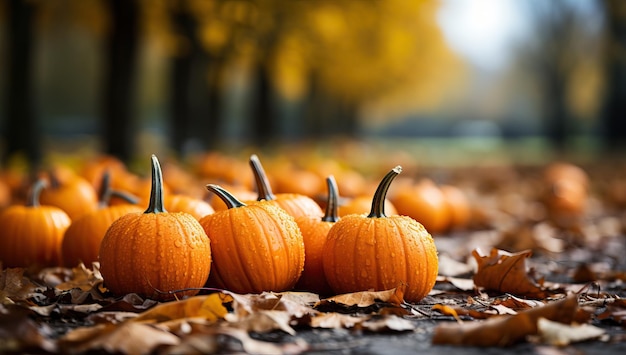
(196, 96)
(262, 109)
(21, 131)
(119, 120)
(614, 115)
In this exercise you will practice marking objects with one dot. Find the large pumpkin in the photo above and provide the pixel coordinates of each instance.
(256, 247)
(380, 252)
(155, 253)
(31, 234)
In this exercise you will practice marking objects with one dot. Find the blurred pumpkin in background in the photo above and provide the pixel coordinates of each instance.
(426, 203)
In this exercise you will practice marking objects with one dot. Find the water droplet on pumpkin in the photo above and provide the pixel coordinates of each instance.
(363, 273)
(177, 243)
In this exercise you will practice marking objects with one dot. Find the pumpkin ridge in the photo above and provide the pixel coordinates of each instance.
(236, 246)
(406, 250)
(357, 258)
(263, 223)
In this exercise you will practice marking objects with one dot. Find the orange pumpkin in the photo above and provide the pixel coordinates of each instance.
(183, 203)
(380, 252)
(566, 193)
(81, 241)
(155, 253)
(315, 231)
(70, 192)
(425, 203)
(458, 206)
(256, 247)
(31, 234)
(295, 204)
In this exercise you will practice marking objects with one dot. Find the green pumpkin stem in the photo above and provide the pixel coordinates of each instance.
(378, 202)
(156, 190)
(262, 183)
(228, 198)
(330, 215)
(35, 192)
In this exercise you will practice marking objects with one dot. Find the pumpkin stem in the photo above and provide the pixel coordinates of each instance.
(228, 198)
(104, 194)
(378, 202)
(35, 191)
(156, 190)
(262, 182)
(330, 214)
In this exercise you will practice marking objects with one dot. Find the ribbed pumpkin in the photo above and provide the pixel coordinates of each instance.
(81, 242)
(295, 204)
(315, 232)
(155, 251)
(256, 247)
(32, 234)
(70, 192)
(377, 252)
(183, 203)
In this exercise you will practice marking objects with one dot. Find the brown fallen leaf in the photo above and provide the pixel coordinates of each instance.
(126, 338)
(14, 286)
(506, 330)
(505, 272)
(367, 298)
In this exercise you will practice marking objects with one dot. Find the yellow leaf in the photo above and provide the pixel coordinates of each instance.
(210, 307)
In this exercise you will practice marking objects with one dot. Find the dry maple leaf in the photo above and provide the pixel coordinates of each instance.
(505, 272)
(506, 330)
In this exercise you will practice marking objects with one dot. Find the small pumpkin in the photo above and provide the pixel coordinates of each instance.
(566, 193)
(425, 203)
(256, 247)
(81, 241)
(183, 203)
(70, 192)
(295, 204)
(380, 252)
(31, 234)
(459, 207)
(315, 232)
(155, 252)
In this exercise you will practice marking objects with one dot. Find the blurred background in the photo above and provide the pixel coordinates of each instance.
(125, 77)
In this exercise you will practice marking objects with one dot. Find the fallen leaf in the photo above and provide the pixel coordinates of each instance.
(367, 298)
(507, 329)
(81, 278)
(377, 324)
(447, 310)
(14, 286)
(559, 334)
(127, 338)
(337, 320)
(460, 283)
(505, 272)
(210, 307)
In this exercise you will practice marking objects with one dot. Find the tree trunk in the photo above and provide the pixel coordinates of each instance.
(263, 116)
(614, 114)
(21, 130)
(119, 123)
